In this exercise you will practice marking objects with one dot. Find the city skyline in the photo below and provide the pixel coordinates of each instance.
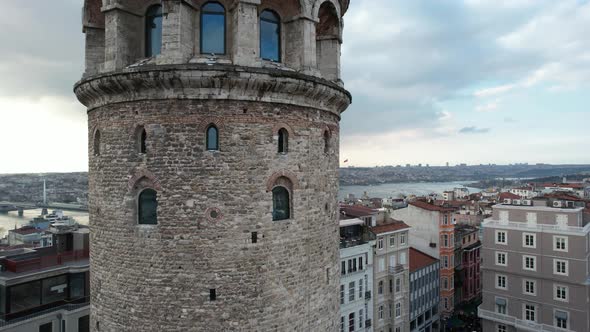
(432, 83)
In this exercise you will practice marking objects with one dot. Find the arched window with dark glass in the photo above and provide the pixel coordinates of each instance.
(212, 28)
(142, 141)
(153, 31)
(148, 207)
(212, 138)
(281, 205)
(97, 143)
(283, 140)
(270, 36)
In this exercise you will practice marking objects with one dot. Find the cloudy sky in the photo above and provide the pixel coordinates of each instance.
(473, 81)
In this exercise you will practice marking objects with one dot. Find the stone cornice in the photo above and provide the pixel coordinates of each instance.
(221, 82)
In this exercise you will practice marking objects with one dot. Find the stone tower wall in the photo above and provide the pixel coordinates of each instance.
(159, 277)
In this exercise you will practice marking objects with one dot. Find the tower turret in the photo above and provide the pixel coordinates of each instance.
(213, 156)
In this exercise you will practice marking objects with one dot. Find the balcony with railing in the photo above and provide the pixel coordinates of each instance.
(520, 324)
(67, 305)
(534, 226)
(396, 269)
(39, 262)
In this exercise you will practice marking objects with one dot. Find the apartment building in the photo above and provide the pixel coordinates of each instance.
(391, 277)
(433, 233)
(467, 264)
(356, 276)
(46, 289)
(424, 292)
(535, 268)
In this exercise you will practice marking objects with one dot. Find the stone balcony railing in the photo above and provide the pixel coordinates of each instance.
(520, 324)
(396, 269)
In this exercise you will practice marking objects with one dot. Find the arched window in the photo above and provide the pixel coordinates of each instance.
(142, 140)
(270, 36)
(97, 143)
(283, 140)
(153, 31)
(326, 141)
(328, 41)
(281, 204)
(212, 28)
(148, 207)
(212, 138)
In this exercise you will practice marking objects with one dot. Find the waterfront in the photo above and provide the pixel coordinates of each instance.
(9, 220)
(407, 188)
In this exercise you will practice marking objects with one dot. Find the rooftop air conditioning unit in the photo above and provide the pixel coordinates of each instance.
(526, 202)
(516, 202)
(507, 201)
(557, 204)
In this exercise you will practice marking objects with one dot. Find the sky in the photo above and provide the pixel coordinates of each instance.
(471, 81)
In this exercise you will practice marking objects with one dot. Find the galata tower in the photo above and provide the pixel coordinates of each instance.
(213, 159)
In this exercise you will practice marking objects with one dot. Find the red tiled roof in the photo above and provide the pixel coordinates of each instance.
(431, 207)
(392, 226)
(356, 210)
(419, 260)
(564, 196)
(507, 195)
(27, 230)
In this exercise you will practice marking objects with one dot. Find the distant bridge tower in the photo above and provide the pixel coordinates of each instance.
(213, 144)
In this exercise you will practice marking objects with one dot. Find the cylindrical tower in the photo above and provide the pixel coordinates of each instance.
(213, 147)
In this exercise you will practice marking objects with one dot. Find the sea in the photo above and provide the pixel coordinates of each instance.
(12, 220)
(397, 190)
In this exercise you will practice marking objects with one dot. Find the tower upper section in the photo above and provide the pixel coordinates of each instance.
(303, 36)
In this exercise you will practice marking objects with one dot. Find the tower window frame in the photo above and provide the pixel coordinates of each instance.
(153, 28)
(141, 140)
(212, 10)
(281, 203)
(212, 138)
(283, 141)
(96, 143)
(146, 214)
(267, 19)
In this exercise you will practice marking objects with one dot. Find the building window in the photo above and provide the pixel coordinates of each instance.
(561, 319)
(390, 286)
(392, 240)
(528, 240)
(529, 287)
(560, 243)
(351, 322)
(529, 263)
(529, 312)
(212, 28)
(380, 287)
(97, 143)
(398, 285)
(501, 328)
(501, 306)
(445, 283)
(84, 324)
(212, 138)
(361, 318)
(501, 281)
(341, 323)
(351, 291)
(141, 137)
(380, 243)
(343, 267)
(398, 310)
(153, 31)
(560, 267)
(360, 288)
(381, 264)
(283, 140)
(445, 262)
(380, 312)
(501, 237)
(445, 241)
(327, 141)
(501, 258)
(445, 219)
(281, 203)
(561, 293)
(361, 263)
(47, 327)
(402, 239)
(341, 294)
(446, 303)
(148, 207)
(270, 36)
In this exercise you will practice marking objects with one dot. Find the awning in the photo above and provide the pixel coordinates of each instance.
(500, 301)
(560, 314)
(351, 222)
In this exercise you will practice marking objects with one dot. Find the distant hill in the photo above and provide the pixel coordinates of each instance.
(61, 187)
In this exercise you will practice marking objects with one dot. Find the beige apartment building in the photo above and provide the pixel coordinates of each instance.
(535, 267)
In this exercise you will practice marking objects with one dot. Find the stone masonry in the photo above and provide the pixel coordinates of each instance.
(210, 203)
